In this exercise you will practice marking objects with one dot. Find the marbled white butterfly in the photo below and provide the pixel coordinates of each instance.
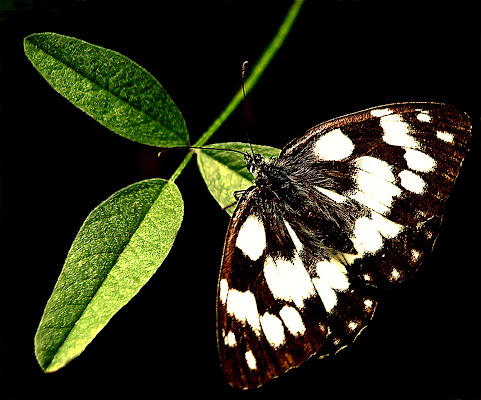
(353, 204)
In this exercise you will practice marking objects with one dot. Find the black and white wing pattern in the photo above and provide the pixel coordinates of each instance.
(353, 204)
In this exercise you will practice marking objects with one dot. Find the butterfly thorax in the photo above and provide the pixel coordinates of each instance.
(283, 193)
(267, 173)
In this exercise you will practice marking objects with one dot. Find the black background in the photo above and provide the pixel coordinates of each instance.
(58, 164)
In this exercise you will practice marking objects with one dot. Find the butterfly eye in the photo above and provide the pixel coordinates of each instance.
(258, 158)
(253, 162)
(250, 163)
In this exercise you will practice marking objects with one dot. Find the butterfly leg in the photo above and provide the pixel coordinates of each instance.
(237, 194)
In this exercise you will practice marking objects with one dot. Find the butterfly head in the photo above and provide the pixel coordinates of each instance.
(254, 162)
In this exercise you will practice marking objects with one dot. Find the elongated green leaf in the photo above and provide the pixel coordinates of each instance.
(118, 248)
(109, 87)
(224, 172)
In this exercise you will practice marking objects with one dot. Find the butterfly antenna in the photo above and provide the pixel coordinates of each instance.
(246, 118)
(246, 113)
(162, 150)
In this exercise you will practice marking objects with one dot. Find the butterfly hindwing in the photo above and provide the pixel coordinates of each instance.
(354, 203)
(257, 325)
(276, 302)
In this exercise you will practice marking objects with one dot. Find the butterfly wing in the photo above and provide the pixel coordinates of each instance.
(366, 204)
(273, 312)
(397, 163)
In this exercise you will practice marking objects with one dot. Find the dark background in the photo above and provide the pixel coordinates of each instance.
(57, 164)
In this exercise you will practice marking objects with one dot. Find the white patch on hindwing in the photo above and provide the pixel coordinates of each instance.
(332, 195)
(412, 182)
(352, 325)
(292, 320)
(331, 276)
(368, 303)
(251, 239)
(288, 280)
(395, 274)
(385, 226)
(230, 340)
(250, 359)
(292, 234)
(333, 146)
(366, 237)
(369, 233)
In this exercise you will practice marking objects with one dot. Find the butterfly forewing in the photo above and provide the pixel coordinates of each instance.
(354, 203)
(399, 163)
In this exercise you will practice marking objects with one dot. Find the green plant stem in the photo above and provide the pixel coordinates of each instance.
(251, 81)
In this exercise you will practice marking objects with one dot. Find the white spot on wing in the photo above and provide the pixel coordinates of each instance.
(370, 202)
(292, 320)
(273, 329)
(223, 288)
(368, 303)
(252, 238)
(386, 227)
(352, 325)
(381, 113)
(397, 132)
(243, 306)
(366, 236)
(381, 190)
(375, 166)
(333, 273)
(250, 359)
(412, 182)
(288, 280)
(332, 195)
(419, 161)
(369, 233)
(375, 182)
(333, 146)
(327, 294)
(331, 276)
(292, 234)
(395, 274)
(424, 116)
(230, 339)
(446, 136)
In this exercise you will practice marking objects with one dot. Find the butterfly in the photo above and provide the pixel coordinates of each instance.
(350, 207)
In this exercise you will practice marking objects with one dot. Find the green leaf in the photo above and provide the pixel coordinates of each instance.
(224, 172)
(118, 248)
(109, 87)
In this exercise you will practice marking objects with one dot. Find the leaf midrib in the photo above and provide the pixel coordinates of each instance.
(95, 293)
